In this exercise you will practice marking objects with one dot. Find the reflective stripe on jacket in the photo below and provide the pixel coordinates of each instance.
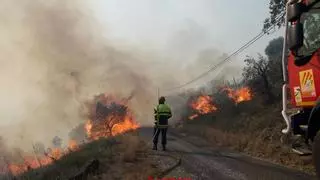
(163, 113)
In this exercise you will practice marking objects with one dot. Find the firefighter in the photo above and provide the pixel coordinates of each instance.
(162, 115)
(155, 120)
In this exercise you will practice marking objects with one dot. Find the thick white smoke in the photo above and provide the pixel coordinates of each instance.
(54, 57)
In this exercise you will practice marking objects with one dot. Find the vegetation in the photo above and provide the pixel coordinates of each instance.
(253, 126)
(276, 9)
(120, 157)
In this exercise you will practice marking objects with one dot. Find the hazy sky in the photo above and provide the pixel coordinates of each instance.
(224, 25)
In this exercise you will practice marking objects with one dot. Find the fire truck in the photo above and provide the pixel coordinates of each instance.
(301, 73)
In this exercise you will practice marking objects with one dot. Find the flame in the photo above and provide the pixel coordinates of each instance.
(88, 127)
(113, 118)
(193, 116)
(33, 162)
(203, 105)
(239, 95)
(73, 145)
(107, 128)
(56, 153)
(127, 125)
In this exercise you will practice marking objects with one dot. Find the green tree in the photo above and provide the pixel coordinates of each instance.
(276, 9)
(256, 74)
(264, 74)
(274, 54)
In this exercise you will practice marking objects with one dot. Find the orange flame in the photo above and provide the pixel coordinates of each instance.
(239, 95)
(127, 125)
(203, 105)
(193, 116)
(112, 117)
(112, 124)
(73, 145)
(88, 127)
(107, 128)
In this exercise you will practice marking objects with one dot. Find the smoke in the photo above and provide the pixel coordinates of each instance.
(54, 57)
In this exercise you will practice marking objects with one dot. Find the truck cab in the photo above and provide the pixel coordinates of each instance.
(301, 74)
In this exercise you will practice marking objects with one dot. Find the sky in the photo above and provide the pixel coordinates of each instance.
(154, 24)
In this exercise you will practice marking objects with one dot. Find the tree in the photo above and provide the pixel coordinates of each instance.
(277, 8)
(78, 133)
(57, 142)
(274, 55)
(256, 74)
(39, 148)
(274, 49)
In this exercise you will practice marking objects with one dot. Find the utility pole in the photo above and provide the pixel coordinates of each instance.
(158, 92)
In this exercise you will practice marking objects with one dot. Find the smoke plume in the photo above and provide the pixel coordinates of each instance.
(54, 58)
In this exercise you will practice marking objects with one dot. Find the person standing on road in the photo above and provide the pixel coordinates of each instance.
(162, 115)
(155, 120)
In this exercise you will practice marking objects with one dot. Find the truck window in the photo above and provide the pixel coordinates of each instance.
(311, 28)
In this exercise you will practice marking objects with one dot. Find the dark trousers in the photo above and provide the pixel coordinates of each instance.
(154, 130)
(163, 132)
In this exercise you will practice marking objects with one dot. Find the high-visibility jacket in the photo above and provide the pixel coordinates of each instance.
(162, 115)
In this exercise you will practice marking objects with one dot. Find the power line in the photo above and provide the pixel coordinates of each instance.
(228, 58)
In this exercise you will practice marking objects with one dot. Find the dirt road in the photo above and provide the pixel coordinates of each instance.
(205, 162)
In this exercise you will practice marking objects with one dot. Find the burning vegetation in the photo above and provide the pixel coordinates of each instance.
(204, 104)
(239, 95)
(107, 115)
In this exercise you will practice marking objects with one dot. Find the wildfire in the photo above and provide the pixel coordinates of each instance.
(31, 162)
(203, 105)
(73, 145)
(124, 126)
(88, 127)
(193, 116)
(108, 117)
(239, 95)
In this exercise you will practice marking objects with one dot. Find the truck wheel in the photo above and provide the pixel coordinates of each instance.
(316, 153)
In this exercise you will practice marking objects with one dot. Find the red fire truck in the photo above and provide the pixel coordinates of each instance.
(301, 73)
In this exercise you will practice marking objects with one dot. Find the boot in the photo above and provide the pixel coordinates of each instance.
(301, 146)
(154, 147)
(164, 148)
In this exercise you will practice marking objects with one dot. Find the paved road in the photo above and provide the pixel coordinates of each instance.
(209, 163)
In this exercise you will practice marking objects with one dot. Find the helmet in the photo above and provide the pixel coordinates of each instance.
(162, 100)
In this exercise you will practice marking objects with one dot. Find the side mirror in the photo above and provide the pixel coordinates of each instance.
(294, 11)
(295, 36)
(300, 61)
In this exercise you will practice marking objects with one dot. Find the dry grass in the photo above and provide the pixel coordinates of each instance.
(130, 146)
(132, 161)
(257, 134)
(122, 157)
(259, 147)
